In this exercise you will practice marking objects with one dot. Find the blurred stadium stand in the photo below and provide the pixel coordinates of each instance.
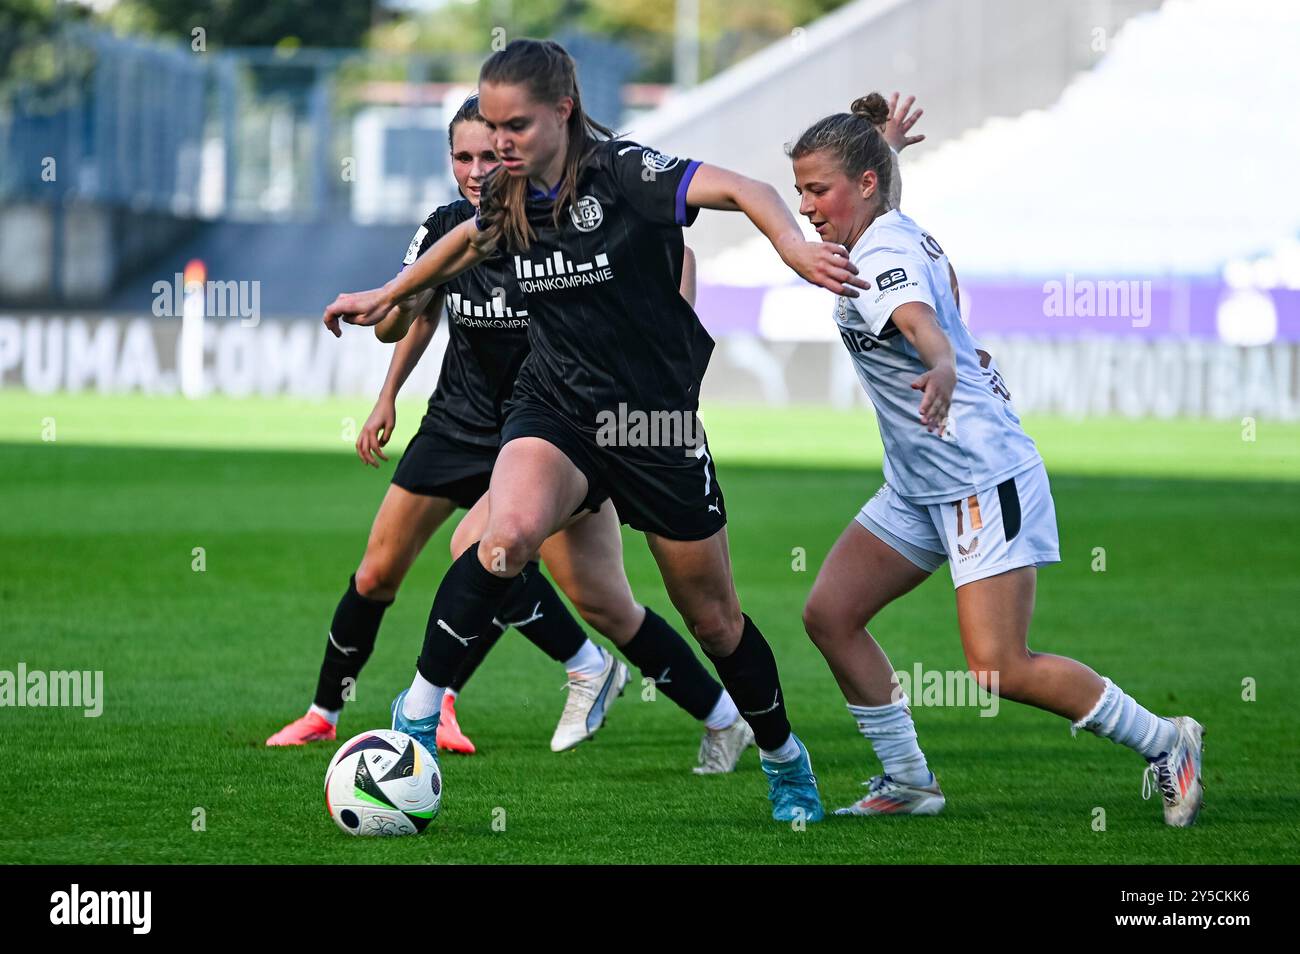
(144, 155)
(1113, 180)
(965, 60)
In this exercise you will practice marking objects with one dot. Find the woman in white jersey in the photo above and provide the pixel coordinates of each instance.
(963, 483)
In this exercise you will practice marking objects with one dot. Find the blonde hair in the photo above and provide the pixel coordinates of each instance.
(854, 140)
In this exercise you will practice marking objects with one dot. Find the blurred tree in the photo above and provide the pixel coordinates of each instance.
(283, 23)
(26, 32)
(729, 30)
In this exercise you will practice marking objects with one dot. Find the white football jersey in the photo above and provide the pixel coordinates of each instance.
(983, 443)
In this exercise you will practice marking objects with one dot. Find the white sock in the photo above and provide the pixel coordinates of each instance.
(1117, 717)
(723, 714)
(423, 699)
(786, 753)
(587, 663)
(329, 715)
(892, 735)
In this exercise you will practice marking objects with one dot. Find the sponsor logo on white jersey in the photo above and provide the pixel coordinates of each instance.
(891, 277)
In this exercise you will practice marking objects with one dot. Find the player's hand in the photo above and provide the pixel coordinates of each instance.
(357, 308)
(937, 386)
(376, 432)
(825, 264)
(900, 122)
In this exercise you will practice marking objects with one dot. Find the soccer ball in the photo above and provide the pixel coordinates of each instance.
(382, 783)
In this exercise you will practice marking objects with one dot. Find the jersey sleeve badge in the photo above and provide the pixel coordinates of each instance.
(413, 250)
(658, 162)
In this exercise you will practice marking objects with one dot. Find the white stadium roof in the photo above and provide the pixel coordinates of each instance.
(1177, 154)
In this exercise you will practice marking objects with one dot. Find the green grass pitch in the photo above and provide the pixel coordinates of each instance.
(1198, 600)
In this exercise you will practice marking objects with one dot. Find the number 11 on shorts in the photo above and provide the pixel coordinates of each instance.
(973, 506)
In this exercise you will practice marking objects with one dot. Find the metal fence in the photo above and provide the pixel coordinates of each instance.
(248, 134)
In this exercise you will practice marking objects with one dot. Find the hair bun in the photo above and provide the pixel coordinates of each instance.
(871, 107)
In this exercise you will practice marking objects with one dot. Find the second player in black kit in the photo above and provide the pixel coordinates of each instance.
(460, 432)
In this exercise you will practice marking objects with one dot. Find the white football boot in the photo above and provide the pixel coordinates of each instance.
(885, 796)
(720, 749)
(1177, 774)
(588, 703)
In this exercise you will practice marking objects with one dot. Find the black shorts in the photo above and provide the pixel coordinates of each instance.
(437, 466)
(669, 491)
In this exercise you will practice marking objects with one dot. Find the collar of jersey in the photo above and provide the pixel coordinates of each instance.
(536, 193)
(879, 220)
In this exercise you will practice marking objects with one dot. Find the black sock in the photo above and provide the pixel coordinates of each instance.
(661, 654)
(467, 599)
(750, 676)
(350, 643)
(478, 650)
(534, 608)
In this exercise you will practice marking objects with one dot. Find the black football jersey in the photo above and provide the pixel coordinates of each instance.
(609, 323)
(487, 323)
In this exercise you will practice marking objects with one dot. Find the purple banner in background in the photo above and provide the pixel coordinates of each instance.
(730, 309)
(1068, 307)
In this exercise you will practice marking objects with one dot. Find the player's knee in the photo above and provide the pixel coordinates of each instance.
(717, 628)
(508, 544)
(817, 622)
(377, 579)
(616, 619)
(1003, 672)
(826, 624)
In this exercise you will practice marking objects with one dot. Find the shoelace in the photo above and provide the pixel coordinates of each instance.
(877, 785)
(578, 688)
(787, 781)
(780, 784)
(1157, 775)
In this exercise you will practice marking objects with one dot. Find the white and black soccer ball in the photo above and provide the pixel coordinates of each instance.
(382, 783)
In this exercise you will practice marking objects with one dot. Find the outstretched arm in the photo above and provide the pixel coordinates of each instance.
(399, 318)
(445, 259)
(821, 263)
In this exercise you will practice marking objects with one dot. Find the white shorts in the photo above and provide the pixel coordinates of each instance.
(992, 531)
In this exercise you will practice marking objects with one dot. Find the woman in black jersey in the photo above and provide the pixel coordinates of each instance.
(447, 465)
(592, 228)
